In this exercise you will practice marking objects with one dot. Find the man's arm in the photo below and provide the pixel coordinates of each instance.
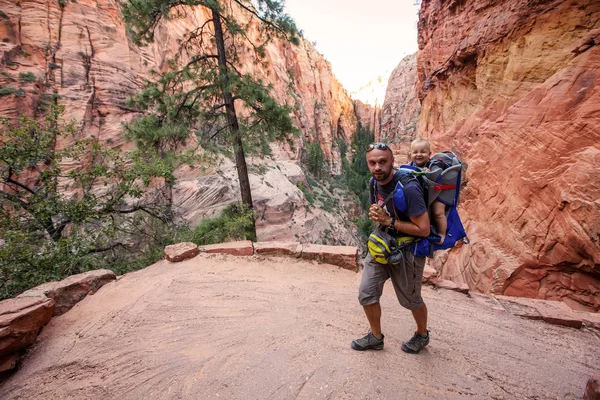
(418, 226)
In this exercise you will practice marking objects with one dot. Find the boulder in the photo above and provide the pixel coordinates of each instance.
(342, 256)
(449, 285)
(72, 289)
(553, 312)
(181, 251)
(429, 274)
(241, 248)
(592, 389)
(293, 249)
(20, 322)
(8, 362)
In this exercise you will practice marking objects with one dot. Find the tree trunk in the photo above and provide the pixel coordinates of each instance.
(240, 158)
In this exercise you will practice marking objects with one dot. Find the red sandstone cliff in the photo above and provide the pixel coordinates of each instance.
(81, 55)
(401, 108)
(516, 87)
(369, 116)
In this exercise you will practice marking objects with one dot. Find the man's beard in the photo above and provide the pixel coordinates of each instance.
(382, 177)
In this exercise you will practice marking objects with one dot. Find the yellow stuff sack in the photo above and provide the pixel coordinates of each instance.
(386, 249)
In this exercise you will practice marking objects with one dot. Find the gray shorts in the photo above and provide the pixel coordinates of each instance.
(406, 278)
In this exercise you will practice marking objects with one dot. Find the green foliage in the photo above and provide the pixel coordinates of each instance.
(234, 223)
(365, 225)
(7, 75)
(357, 174)
(108, 219)
(189, 94)
(6, 91)
(27, 77)
(315, 160)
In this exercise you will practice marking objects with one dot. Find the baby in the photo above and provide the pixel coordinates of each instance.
(420, 153)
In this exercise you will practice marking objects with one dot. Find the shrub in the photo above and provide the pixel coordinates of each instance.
(7, 91)
(27, 77)
(315, 160)
(236, 222)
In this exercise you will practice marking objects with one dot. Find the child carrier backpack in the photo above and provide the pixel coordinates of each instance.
(441, 182)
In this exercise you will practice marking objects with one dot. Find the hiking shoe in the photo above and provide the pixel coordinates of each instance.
(416, 343)
(368, 342)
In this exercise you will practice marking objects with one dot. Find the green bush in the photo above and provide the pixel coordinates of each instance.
(5, 91)
(27, 77)
(234, 223)
(315, 160)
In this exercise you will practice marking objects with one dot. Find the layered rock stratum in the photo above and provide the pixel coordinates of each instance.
(401, 108)
(515, 86)
(79, 54)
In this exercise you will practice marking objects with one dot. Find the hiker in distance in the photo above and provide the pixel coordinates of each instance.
(407, 274)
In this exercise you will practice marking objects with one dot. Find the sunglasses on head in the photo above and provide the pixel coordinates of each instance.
(379, 146)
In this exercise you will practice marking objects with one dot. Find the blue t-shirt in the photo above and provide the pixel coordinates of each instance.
(413, 194)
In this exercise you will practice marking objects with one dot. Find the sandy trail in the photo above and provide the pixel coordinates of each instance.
(266, 328)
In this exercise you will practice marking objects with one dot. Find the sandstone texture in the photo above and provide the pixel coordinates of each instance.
(369, 117)
(72, 289)
(241, 248)
(401, 108)
(515, 87)
(181, 251)
(79, 55)
(21, 319)
(293, 249)
(343, 256)
(262, 329)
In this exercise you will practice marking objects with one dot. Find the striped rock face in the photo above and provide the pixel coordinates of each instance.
(515, 87)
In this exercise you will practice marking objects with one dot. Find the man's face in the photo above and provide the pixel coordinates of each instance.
(381, 164)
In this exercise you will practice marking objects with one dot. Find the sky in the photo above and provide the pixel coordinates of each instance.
(363, 40)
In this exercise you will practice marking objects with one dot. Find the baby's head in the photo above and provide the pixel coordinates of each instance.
(420, 151)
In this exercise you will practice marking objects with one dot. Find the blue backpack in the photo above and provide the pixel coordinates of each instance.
(442, 183)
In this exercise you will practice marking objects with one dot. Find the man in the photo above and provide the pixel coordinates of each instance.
(406, 276)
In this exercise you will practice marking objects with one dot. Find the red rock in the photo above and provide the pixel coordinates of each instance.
(553, 312)
(241, 248)
(293, 249)
(514, 87)
(429, 273)
(21, 320)
(9, 362)
(369, 117)
(94, 72)
(401, 107)
(72, 289)
(181, 251)
(449, 285)
(342, 256)
(592, 389)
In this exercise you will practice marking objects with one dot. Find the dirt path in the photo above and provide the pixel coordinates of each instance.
(251, 328)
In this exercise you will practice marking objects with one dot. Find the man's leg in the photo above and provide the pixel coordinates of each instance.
(420, 316)
(373, 313)
(371, 286)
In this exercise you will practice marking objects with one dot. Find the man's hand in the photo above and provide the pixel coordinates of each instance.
(378, 215)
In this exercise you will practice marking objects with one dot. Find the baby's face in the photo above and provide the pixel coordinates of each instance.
(420, 153)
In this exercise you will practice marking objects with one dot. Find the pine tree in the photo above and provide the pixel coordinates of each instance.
(202, 86)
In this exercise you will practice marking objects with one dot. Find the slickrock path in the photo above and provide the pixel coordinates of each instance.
(265, 328)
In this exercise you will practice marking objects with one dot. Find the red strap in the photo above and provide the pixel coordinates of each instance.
(444, 187)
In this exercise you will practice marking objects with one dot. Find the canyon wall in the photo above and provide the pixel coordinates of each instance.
(369, 116)
(515, 86)
(79, 54)
(401, 108)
